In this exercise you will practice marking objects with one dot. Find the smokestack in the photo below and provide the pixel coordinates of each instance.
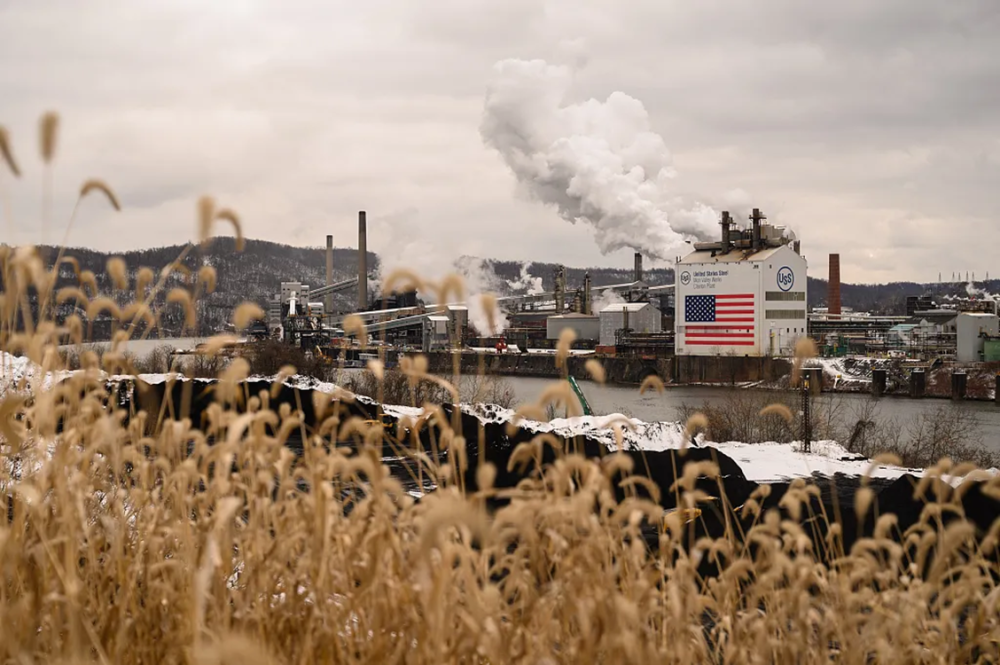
(833, 286)
(362, 262)
(726, 220)
(756, 217)
(559, 291)
(328, 305)
(637, 277)
(588, 303)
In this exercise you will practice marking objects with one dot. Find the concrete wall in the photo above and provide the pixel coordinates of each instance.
(681, 369)
(728, 369)
(618, 370)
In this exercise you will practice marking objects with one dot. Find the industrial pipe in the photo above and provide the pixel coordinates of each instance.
(362, 261)
(726, 220)
(328, 305)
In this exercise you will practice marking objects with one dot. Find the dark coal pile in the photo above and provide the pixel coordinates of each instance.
(836, 500)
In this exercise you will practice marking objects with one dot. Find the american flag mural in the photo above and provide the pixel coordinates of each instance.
(719, 320)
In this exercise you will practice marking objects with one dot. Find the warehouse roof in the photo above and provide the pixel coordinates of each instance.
(732, 256)
(630, 306)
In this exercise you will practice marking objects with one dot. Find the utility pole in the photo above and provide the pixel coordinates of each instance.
(806, 419)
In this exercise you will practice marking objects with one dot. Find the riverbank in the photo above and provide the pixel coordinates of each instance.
(838, 375)
(623, 370)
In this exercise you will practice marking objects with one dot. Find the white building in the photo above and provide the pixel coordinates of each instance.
(971, 327)
(294, 289)
(641, 317)
(744, 296)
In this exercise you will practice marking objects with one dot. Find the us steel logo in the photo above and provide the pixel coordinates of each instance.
(685, 278)
(786, 278)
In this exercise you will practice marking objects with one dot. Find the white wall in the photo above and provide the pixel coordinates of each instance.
(762, 336)
(718, 279)
(784, 273)
(969, 326)
(644, 320)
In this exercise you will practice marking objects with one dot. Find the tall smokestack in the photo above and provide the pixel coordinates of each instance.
(726, 221)
(560, 290)
(588, 303)
(362, 262)
(637, 277)
(833, 285)
(328, 305)
(756, 217)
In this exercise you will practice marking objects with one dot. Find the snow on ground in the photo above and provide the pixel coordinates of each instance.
(513, 349)
(836, 368)
(760, 462)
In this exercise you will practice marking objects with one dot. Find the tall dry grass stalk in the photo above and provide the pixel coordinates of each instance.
(95, 185)
(7, 153)
(136, 535)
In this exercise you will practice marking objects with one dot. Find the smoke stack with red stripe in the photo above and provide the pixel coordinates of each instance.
(833, 294)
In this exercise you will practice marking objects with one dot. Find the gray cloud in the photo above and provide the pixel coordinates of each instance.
(870, 128)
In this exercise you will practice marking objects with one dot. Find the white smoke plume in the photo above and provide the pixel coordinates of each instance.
(982, 294)
(406, 248)
(480, 278)
(526, 282)
(597, 162)
(605, 299)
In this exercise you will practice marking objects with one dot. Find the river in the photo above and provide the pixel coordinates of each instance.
(843, 408)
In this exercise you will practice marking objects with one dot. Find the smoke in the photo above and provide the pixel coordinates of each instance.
(975, 292)
(407, 249)
(480, 278)
(605, 299)
(526, 282)
(596, 162)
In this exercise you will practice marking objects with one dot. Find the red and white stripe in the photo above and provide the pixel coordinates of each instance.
(733, 326)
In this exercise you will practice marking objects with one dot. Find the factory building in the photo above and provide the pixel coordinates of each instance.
(973, 328)
(586, 326)
(744, 295)
(639, 317)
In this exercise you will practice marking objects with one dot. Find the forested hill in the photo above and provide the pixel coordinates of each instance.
(254, 274)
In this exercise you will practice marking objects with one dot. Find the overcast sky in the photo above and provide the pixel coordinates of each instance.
(871, 128)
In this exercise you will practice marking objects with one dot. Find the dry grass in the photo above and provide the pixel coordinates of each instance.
(137, 537)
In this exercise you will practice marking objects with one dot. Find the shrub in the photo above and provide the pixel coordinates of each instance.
(395, 388)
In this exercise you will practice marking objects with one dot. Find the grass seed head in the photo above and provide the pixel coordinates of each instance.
(651, 382)
(246, 314)
(596, 370)
(778, 410)
(7, 152)
(566, 339)
(95, 185)
(48, 135)
(698, 422)
(227, 215)
(206, 215)
(207, 278)
(118, 272)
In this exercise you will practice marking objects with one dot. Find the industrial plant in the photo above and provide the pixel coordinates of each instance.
(743, 295)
